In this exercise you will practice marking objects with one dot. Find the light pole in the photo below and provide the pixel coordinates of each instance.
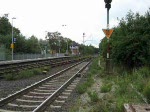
(12, 44)
(83, 42)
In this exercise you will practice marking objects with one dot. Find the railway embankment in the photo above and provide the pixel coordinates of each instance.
(101, 92)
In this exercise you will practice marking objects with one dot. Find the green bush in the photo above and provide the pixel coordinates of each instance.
(146, 92)
(9, 77)
(82, 88)
(37, 71)
(25, 74)
(144, 71)
(93, 96)
(106, 88)
(90, 81)
(120, 102)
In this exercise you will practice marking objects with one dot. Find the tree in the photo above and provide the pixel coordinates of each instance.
(33, 45)
(5, 26)
(130, 41)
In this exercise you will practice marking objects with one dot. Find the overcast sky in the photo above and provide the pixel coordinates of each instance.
(34, 17)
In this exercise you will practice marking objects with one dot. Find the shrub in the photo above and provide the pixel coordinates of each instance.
(9, 77)
(93, 96)
(144, 71)
(25, 74)
(37, 71)
(82, 88)
(106, 88)
(146, 92)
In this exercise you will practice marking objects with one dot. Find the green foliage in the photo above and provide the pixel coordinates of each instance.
(93, 96)
(9, 77)
(106, 88)
(144, 71)
(81, 88)
(146, 92)
(93, 70)
(37, 71)
(23, 74)
(33, 45)
(88, 49)
(130, 42)
(54, 41)
(5, 26)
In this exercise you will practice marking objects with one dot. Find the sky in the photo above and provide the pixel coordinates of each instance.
(36, 17)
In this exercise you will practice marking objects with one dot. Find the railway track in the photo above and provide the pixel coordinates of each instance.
(13, 67)
(45, 94)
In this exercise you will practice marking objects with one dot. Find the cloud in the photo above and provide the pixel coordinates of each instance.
(34, 17)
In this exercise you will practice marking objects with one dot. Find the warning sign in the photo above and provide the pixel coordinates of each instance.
(12, 46)
(108, 32)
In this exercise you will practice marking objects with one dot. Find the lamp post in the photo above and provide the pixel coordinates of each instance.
(83, 42)
(12, 44)
(108, 60)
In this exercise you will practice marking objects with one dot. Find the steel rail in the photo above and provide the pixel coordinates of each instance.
(27, 89)
(13, 67)
(51, 98)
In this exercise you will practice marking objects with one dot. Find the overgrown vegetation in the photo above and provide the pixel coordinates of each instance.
(125, 92)
(93, 70)
(93, 96)
(130, 42)
(116, 89)
(106, 88)
(26, 73)
(129, 45)
(146, 92)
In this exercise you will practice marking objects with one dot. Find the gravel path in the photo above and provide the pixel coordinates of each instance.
(9, 87)
(74, 96)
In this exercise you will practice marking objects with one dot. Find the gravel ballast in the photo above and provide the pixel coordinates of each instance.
(10, 87)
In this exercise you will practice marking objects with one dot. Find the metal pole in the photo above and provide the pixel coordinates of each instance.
(12, 44)
(45, 42)
(59, 46)
(108, 54)
(108, 60)
(107, 18)
(67, 39)
(67, 46)
(83, 42)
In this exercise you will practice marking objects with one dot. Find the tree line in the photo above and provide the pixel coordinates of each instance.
(130, 41)
(53, 41)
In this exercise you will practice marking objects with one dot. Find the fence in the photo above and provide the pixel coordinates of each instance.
(2, 52)
(4, 57)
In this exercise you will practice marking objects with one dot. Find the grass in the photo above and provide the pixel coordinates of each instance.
(93, 96)
(82, 88)
(146, 91)
(124, 93)
(106, 88)
(93, 70)
(117, 88)
(26, 73)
